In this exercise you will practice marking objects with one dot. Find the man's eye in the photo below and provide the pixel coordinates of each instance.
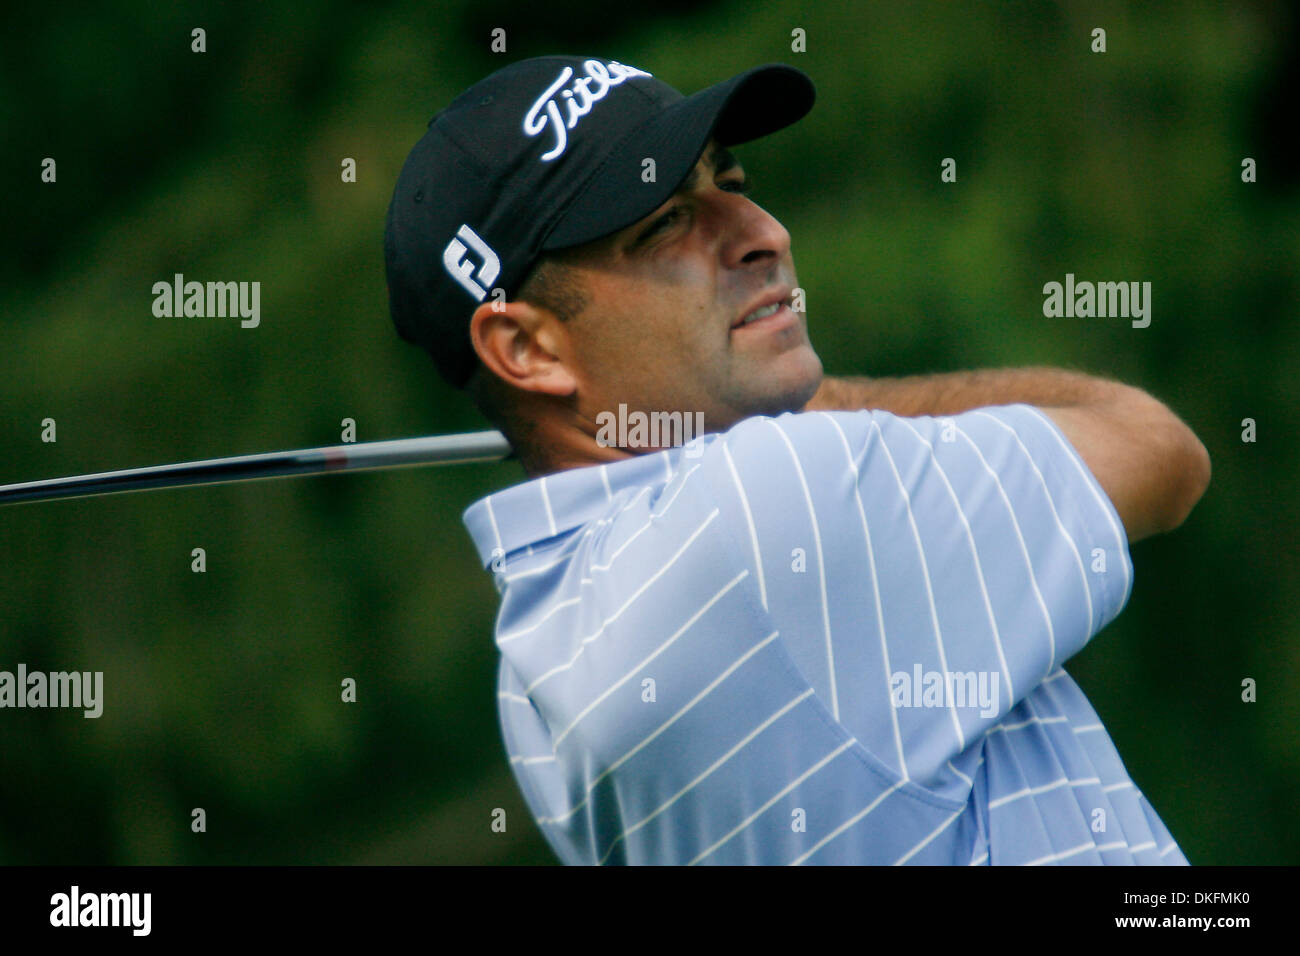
(663, 222)
(673, 214)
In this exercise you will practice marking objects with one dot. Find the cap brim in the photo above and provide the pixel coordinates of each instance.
(744, 108)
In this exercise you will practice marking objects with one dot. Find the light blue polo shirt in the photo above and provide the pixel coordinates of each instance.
(823, 637)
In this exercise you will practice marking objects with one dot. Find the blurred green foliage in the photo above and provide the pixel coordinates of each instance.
(222, 689)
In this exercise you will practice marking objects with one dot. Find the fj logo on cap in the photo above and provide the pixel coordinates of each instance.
(461, 268)
(585, 91)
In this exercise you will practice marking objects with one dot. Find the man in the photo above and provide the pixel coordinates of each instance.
(829, 629)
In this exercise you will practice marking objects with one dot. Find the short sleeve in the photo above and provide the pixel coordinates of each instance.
(927, 573)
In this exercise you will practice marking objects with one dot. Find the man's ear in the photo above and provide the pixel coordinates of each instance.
(523, 345)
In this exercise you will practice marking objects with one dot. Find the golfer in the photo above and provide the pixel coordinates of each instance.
(750, 614)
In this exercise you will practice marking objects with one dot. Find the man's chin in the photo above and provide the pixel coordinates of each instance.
(789, 387)
(801, 374)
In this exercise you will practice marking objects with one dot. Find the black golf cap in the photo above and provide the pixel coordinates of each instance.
(544, 154)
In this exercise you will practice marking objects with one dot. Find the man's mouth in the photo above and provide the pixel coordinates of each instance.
(762, 313)
(769, 305)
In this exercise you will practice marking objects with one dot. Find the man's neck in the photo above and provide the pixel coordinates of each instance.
(549, 445)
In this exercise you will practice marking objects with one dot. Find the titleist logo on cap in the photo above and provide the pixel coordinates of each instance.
(585, 91)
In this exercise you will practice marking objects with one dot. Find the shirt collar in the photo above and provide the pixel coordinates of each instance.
(554, 504)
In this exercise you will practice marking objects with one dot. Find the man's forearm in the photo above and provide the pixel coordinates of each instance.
(951, 393)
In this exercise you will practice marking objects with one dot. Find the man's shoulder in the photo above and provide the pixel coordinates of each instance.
(767, 463)
(994, 464)
(827, 443)
(837, 426)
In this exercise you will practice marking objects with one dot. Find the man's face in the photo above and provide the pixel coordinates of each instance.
(666, 296)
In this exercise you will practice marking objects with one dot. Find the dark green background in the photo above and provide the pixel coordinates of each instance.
(222, 689)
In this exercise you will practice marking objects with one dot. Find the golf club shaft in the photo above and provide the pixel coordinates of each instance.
(431, 450)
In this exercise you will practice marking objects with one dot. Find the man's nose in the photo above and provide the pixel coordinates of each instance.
(754, 237)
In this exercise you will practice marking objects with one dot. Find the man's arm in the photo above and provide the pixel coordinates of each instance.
(1152, 466)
